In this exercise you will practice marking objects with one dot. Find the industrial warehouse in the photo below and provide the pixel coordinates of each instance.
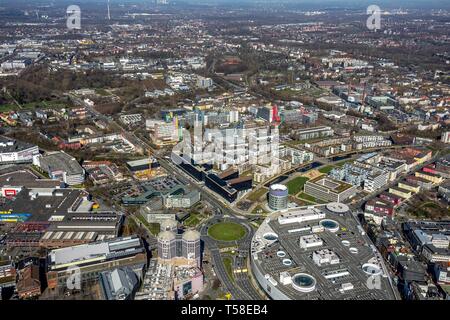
(316, 253)
(41, 213)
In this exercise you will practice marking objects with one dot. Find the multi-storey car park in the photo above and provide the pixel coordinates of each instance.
(62, 166)
(317, 253)
(14, 151)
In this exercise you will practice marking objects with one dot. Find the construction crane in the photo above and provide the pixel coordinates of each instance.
(149, 170)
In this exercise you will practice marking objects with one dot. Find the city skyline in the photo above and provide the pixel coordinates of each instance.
(225, 155)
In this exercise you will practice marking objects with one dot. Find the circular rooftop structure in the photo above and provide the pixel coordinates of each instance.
(337, 207)
(329, 225)
(191, 235)
(287, 262)
(278, 189)
(303, 282)
(281, 254)
(271, 236)
(166, 236)
(345, 243)
(371, 269)
(353, 250)
(168, 225)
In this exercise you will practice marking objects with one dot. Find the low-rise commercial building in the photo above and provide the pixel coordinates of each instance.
(14, 151)
(94, 258)
(166, 281)
(404, 193)
(432, 177)
(328, 189)
(315, 132)
(303, 259)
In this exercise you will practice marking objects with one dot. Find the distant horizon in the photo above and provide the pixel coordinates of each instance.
(407, 4)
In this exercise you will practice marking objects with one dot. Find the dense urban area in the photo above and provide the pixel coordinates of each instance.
(181, 150)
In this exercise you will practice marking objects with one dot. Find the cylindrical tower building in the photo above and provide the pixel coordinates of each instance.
(278, 197)
(167, 245)
(191, 245)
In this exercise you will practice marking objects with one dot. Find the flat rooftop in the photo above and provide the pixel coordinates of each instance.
(276, 253)
(44, 205)
(313, 129)
(27, 179)
(331, 184)
(140, 162)
(56, 161)
(8, 145)
(102, 250)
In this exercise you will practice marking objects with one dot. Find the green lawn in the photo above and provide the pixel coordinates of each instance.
(102, 92)
(296, 184)
(255, 195)
(429, 205)
(326, 169)
(226, 231)
(154, 228)
(341, 163)
(228, 262)
(39, 171)
(192, 221)
(8, 107)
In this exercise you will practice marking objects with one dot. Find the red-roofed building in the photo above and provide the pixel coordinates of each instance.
(380, 206)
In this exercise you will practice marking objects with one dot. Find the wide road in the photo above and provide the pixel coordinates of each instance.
(237, 293)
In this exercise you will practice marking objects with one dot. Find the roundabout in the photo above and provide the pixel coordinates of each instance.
(226, 231)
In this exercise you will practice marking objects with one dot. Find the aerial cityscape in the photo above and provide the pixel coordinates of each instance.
(224, 150)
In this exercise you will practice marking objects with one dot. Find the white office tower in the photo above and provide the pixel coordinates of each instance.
(191, 245)
(167, 245)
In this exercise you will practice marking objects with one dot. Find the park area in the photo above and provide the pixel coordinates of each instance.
(296, 185)
(326, 169)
